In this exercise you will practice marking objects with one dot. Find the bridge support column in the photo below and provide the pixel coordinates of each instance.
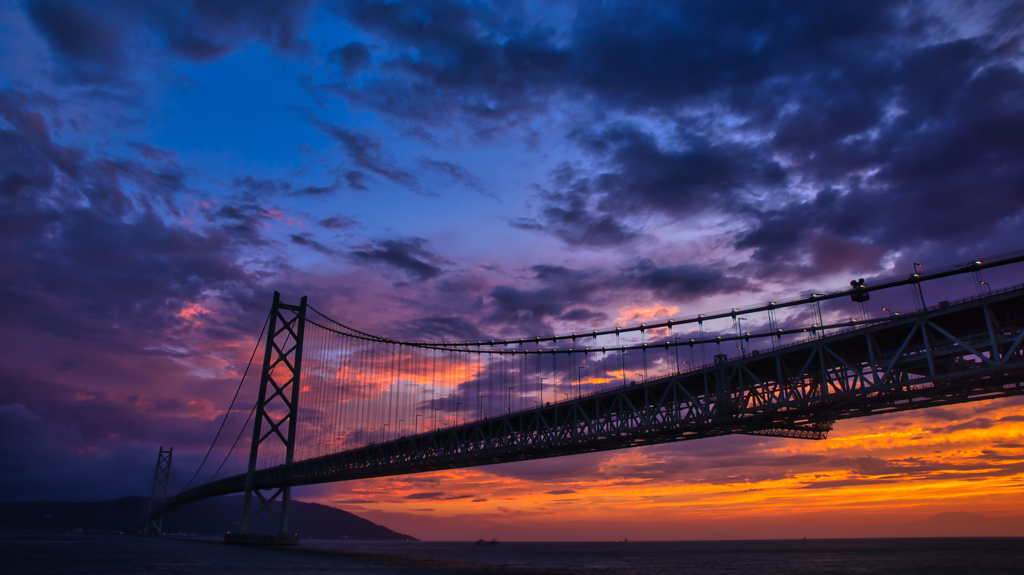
(278, 408)
(157, 492)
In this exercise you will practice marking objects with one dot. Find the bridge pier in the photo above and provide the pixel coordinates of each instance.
(282, 365)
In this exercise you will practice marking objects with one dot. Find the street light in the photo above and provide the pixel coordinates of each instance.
(457, 412)
(677, 355)
(920, 292)
(739, 332)
(416, 429)
(988, 288)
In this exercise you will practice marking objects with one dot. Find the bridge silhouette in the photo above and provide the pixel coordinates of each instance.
(337, 404)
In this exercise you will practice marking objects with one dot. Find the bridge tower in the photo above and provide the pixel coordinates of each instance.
(278, 408)
(158, 492)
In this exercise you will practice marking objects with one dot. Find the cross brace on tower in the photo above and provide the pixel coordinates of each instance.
(277, 409)
(158, 492)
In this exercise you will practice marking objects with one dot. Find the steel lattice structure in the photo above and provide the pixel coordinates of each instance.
(961, 351)
(152, 517)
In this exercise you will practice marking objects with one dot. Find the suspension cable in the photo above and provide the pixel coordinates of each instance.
(228, 412)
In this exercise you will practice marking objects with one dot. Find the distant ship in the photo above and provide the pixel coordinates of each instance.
(482, 542)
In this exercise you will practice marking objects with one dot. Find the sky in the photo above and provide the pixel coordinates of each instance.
(446, 170)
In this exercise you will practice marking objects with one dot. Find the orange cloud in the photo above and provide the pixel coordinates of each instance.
(916, 473)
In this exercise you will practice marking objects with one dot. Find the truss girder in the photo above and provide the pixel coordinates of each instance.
(973, 352)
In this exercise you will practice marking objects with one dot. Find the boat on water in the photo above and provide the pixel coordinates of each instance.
(483, 542)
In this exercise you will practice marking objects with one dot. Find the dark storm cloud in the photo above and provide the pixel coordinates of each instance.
(95, 40)
(101, 281)
(878, 105)
(683, 281)
(647, 179)
(443, 329)
(567, 213)
(565, 291)
(949, 169)
(407, 255)
(444, 48)
(499, 62)
(676, 182)
(530, 309)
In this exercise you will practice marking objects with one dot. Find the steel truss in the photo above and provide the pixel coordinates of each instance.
(968, 351)
(282, 369)
(153, 519)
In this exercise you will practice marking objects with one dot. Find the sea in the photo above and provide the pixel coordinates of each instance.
(31, 553)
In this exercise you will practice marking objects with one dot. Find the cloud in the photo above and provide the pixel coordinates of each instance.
(96, 40)
(682, 282)
(406, 255)
(337, 223)
(426, 495)
(305, 240)
(453, 172)
(808, 125)
(113, 290)
(352, 57)
(315, 191)
(365, 153)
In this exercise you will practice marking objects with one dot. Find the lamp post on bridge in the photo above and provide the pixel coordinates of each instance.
(457, 412)
(739, 333)
(416, 430)
(920, 292)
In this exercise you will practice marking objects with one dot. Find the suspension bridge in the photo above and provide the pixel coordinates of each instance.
(336, 403)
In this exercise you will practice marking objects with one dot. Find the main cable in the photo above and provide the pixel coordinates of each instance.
(228, 412)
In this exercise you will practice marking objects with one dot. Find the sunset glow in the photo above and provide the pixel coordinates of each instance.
(447, 171)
